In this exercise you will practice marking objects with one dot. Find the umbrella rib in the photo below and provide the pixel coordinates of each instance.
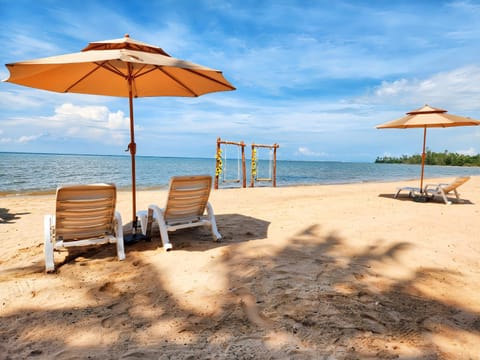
(108, 66)
(161, 69)
(99, 65)
(211, 79)
(82, 78)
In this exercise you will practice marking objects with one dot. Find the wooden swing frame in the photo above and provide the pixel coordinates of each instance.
(218, 164)
(273, 179)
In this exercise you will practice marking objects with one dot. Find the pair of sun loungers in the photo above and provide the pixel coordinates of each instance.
(86, 215)
(436, 190)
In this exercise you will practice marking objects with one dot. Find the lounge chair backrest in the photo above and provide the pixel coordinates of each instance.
(187, 197)
(455, 184)
(85, 211)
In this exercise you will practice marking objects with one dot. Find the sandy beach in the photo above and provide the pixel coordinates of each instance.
(307, 272)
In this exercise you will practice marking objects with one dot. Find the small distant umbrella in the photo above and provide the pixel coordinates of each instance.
(428, 117)
(120, 67)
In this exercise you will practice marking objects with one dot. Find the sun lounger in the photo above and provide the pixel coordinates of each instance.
(412, 191)
(443, 190)
(185, 207)
(85, 215)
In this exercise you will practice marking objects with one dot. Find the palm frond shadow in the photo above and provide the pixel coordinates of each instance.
(316, 297)
(8, 218)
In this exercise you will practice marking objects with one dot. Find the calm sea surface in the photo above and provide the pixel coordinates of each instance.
(31, 173)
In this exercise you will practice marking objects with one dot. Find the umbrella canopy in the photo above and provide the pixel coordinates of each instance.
(426, 117)
(120, 67)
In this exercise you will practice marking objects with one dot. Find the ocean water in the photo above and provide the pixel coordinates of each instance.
(31, 173)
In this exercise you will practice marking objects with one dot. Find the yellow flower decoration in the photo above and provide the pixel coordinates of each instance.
(254, 162)
(219, 168)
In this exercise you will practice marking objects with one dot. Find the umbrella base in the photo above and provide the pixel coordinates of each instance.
(129, 239)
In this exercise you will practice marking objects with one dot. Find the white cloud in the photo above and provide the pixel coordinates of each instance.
(455, 89)
(91, 116)
(307, 152)
(25, 139)
(20, 140)
(117, 121)
(471, 151)
(90, 122)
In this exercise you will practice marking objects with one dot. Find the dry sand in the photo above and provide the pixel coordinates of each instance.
(317, 272)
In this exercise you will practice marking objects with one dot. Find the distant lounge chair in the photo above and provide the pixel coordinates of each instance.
(443, 190)
(85, 215)
(186, 205)
(412, 191)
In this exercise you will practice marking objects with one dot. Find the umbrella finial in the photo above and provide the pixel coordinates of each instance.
(127, 35)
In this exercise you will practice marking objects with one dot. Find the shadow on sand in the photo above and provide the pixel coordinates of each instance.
(419, 199)
(309, 300)
(8, 218)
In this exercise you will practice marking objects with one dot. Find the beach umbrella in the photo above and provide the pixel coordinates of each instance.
(120, 67)
(428, 117)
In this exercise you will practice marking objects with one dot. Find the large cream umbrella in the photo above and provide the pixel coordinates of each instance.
(427, 117)
(121, 67)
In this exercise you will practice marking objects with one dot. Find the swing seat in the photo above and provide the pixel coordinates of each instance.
(231, 180)
(263, 179)
(225, 161)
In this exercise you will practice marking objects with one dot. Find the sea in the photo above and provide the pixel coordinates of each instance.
(30, 173)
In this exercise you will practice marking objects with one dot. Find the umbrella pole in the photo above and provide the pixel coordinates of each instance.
(423, 157)
(133, 150)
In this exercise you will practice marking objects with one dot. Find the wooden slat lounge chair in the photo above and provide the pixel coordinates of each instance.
(443, 190)
(186, 204)
(85, 215)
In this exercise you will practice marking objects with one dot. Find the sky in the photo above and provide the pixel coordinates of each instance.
(315, 77)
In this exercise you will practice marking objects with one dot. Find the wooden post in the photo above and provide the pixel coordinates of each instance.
(275, 165)
(423, 157)
(244, 172)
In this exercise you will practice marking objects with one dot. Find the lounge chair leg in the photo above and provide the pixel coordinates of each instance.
(119, 236)
(457, 195)
(164, 235)
(211, 217)
(444, 196)
(48, 243)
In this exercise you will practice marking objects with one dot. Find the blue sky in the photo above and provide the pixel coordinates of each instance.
(312, 76)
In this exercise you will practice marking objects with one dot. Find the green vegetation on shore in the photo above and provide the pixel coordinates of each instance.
(433, 158)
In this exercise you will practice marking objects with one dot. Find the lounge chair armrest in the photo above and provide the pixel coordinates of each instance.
(157, 215)
(211, 216)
